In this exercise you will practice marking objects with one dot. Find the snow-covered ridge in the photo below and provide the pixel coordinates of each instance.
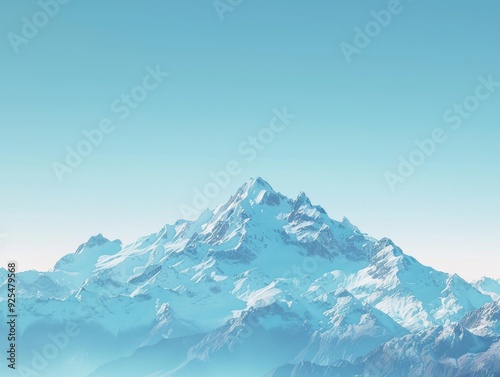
(264, 262)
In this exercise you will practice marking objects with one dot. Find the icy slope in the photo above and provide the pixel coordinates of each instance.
(260, 269)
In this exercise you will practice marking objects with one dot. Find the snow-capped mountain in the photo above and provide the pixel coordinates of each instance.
(260, 277)
(438, 351)
(485, 321)
(488, 286)
(414, 295)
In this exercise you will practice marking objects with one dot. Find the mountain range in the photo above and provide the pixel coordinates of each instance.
(261, 286)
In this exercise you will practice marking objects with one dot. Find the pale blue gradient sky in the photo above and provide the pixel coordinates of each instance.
(353, 120)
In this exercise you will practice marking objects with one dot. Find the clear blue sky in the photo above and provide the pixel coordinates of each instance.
(226, 77)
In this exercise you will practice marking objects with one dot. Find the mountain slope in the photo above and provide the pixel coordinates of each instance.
(261, 269)
(414, 295)
(438, 351)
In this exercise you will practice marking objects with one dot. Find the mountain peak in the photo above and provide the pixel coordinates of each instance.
(256, 184)
(302, 199)
(93, 241)
(384, 243)
(255, 189)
